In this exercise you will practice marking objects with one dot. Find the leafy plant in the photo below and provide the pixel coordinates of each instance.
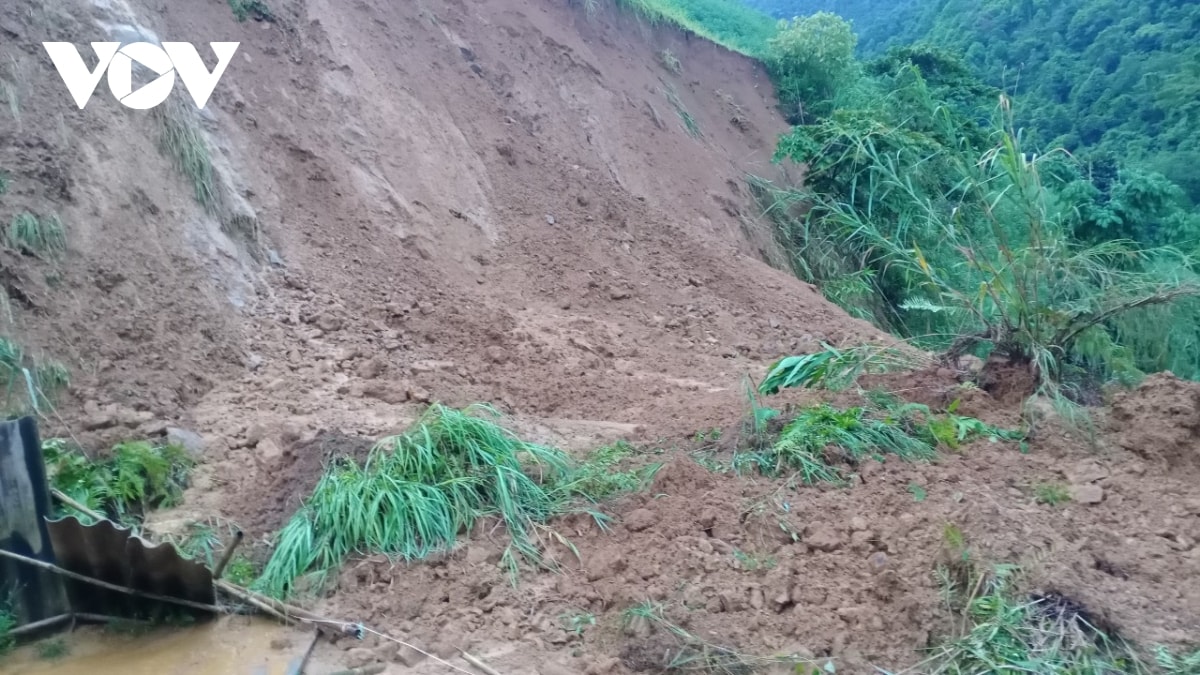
(917, 492)
(1185, 664)
(833, 369)
(418, 490)
(135, 477)
(810, 57)
(822, 435)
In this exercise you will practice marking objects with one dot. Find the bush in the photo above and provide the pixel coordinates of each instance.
(136, 477)
(811, 58)
(418, 491)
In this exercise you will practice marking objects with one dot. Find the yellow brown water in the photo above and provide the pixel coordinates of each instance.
(231, 645)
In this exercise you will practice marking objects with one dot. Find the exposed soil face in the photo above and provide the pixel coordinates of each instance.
(498, 201)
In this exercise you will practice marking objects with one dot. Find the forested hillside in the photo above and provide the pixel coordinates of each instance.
(1117, 80)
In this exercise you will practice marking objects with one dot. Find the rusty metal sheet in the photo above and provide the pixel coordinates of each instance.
(115, 554)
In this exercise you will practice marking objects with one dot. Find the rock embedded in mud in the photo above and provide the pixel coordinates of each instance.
(190, 441)
(641, 519)
(823, 538)
(1087, 494)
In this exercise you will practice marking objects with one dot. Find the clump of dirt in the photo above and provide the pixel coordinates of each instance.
(292, 477)
(1159, 421)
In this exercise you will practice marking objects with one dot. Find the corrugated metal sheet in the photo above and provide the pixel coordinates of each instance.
(114, 554)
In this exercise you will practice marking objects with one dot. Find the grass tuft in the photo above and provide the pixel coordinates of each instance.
(821, 436)
(1051, 494)
(832, 369)
(689, 123)
(42, 237)
(182, 142)
(1046, 634)
(52, 650)
(418, 491)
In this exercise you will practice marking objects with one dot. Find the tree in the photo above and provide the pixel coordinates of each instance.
(811, 58)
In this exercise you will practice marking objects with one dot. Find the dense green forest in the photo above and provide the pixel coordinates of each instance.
(939, 206)
(1115, 80)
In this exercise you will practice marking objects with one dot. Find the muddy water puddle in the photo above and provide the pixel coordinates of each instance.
(231, 645)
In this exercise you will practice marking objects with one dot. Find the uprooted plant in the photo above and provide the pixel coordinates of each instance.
(417, 492)
(682, 651)
(821, 437)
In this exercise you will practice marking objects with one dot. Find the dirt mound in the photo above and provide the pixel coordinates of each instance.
(1159, 421)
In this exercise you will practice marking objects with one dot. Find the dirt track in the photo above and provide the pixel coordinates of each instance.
(496, 201)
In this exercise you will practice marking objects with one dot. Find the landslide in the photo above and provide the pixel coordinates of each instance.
(520, 202)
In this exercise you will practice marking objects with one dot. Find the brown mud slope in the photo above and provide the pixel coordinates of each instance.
(501, 201)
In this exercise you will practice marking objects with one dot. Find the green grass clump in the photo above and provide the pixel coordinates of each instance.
(183, 143)
(820, 436)
(1010, 633)
(40, 237)
(417, 492)
(3, 182)
(599, 476)
(246, 9)
(689, 123)
(1051, 494)
(52, 650)
(136, 477)
(26, 385)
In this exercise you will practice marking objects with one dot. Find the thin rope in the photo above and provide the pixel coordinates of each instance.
(360, 629)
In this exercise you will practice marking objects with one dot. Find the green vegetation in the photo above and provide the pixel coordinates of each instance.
(52, 649)
(135, 477)
(1051, 494)
(833, 369)
(205, 541)
(600, 476)
(182, 142)
(28, 385)
(417, 491)
(725, 22)
(8, 621)
(811, 58)
(29, 234)
(4, 182)
(820, 437)
(962, 241)
(251, 9)
(1037, 634)
(689, 123)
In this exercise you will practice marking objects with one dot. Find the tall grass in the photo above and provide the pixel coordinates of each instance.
(417, 492)
(135, 477)
(37, 236)
(28, 385)
(974, 251)
(180, 140)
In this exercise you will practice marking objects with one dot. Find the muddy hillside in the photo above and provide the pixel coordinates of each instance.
(541, 205)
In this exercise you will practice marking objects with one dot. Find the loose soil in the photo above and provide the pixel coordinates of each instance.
(496, 201)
